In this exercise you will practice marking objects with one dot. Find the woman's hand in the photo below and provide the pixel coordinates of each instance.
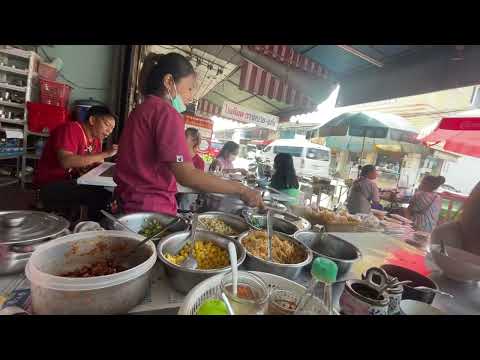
(252, 198)
(111, 152)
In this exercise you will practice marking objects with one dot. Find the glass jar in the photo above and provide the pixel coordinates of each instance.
(248, 283)
(282, 302)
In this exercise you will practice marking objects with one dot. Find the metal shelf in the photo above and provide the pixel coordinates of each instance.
(13, 87)
(17, 52)
(11, 70)
(12, 104)
(6, 157)
(12, 121)
(38, 134)
(32, 156)
(8, 180)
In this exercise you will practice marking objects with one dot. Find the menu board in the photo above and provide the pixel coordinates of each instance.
(205, 126)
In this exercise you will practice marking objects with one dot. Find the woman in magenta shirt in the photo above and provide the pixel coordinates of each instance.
(155, 154)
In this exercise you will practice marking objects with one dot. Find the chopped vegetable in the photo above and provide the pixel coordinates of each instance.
(207, 253)
(150, 227)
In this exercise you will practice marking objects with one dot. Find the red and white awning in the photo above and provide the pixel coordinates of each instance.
(207, 108)
(261, 82)
(459, 135)
(284, 54)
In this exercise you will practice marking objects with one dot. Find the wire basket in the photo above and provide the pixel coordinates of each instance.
(211, 289)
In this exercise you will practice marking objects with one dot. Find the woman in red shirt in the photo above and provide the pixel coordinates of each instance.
(193, 138)
(153, 153)
(71, 150)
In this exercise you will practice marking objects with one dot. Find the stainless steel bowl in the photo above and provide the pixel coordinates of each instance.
(182, 279)
(221, 203)
(331, 247)
(236, 222)
(290, 271)
(135, 221)
(258, 221)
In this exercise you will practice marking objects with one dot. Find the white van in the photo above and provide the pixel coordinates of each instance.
(309, 159)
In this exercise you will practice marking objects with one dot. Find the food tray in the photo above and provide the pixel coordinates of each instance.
(210, 289)
(341, 228)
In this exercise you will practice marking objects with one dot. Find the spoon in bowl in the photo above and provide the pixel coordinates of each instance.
(191, 262)
(232, 253)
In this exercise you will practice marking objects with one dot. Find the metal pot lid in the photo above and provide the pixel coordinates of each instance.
(26, 227)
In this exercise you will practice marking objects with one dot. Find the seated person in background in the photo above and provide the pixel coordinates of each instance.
(186, 201)
(193, 141)
(364, 192)
(71, 150)
(426, 204)
(464, 233)
(284, 178)
(224, 160)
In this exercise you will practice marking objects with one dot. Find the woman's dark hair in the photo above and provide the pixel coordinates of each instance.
(156, 66)
(229, 147)
(100, 112)
(367, 169)
(193, 133)
(285, 176)
(434, 181)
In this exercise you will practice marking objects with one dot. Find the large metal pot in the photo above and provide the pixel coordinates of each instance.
(22, 232)
(236, 222)
(109, 294)
(221, 203)
(182, 279)
(290, 271)
(328, 246)
(135, 221)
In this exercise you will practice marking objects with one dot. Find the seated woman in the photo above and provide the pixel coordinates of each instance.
(284, 178)
(71, 150)
(186, 201)
(426, 204)
(224, 160)
(193, 138)
(364, 192)
(464, 233)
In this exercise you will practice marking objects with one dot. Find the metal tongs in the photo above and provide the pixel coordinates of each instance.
(269, 233)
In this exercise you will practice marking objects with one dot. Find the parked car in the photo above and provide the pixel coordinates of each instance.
(309, 159)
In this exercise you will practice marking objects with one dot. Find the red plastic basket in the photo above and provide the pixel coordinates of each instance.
(45, 118)
(54, 93)
(47, 72)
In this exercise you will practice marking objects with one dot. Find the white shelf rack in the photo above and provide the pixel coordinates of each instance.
(26, 67)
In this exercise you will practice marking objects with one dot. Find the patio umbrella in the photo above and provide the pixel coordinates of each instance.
(362, 131)
(460, 134)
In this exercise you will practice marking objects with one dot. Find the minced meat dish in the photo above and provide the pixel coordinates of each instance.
(100, 268)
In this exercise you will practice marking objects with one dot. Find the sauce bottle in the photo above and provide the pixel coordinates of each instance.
(317, 299)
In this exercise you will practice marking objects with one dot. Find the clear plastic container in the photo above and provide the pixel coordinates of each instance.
(108, 294)
(256, 303)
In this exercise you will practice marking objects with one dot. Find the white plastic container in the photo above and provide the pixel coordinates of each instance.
(109, 294)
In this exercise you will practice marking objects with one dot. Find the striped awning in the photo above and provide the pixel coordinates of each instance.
(261, 82)
(284, 54)
(207, 108)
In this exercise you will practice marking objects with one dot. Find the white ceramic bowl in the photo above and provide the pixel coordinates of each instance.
(413, 307)
(459, 265)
